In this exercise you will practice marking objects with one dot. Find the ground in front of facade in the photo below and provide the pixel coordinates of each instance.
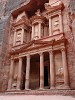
(34, 97)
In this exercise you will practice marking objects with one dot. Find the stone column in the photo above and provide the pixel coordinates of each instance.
(52, 71)
(11, 75)
(64, 61)
(61, 22)
(27, 72)
(14, 39)
(41, 71)
(19, 74)
(40, 30)
(32, 32)
(50, 26)
(22, 35)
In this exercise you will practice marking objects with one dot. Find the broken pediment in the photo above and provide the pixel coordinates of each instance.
(54, 6)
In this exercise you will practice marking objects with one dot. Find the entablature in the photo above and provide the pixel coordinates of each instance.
(37, 44)
(53, 45)
(54, 8)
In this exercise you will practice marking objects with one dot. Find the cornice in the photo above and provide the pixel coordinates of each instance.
(38, 19)
(42, 45)
(51, 9)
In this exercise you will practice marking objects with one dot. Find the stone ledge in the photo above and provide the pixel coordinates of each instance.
(40, 92)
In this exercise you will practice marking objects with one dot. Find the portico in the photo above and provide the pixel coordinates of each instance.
(38, 60)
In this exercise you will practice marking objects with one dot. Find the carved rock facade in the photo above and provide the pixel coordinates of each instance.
(40, 53)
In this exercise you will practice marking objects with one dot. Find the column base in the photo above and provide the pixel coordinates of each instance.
(18, 89)
(52, 88)
(27, 89)
(66, 87)
(41, 89)
(8, 89)
(13, 89)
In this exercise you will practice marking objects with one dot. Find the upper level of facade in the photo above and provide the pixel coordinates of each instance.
(44, 24)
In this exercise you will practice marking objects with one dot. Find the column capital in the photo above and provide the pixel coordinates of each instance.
(14, 30)
(51, 52)
(12, 58)
(40, 22)
(28, 56)
(50, 17)
(20, 57)
(60, 13)
(63, 49)
(41, 53)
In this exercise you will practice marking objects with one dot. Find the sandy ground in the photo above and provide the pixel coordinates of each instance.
(29, 97)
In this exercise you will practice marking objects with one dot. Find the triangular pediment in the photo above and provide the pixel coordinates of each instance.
(34, 44)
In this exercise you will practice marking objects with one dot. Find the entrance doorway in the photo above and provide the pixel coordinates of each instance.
(45, 76)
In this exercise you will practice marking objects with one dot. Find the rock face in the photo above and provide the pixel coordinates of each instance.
(6, 6)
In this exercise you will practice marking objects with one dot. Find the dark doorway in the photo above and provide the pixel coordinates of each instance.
(45, 76)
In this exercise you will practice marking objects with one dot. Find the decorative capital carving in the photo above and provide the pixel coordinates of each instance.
(51, 52)
(63, 49)
(41, 53)
(28, 56)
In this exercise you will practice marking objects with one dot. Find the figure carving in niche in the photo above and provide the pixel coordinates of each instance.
(60, 76)
(14, 85)
(60, 72)
(14, 81)
(55, 25)
(72, 17)
(38, 13)
(18, 37)
(72, 24)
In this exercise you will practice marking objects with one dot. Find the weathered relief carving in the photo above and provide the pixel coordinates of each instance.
(59, 72)
(55, 25)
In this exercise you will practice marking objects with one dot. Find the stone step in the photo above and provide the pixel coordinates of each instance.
(40, 92)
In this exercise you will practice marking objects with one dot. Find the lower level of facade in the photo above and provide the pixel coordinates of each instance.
(40, 65)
